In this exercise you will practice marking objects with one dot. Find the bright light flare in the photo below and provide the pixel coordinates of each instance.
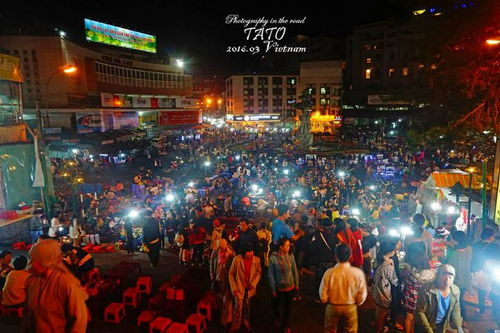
(296, 194)
(356, 212)
(341, 174)
(69, 69)
(435, 206)
(493, 41)
(170, 197)
(451, 210)
(286, 171)
(133, 214)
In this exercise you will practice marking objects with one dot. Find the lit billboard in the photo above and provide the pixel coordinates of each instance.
(103, 33)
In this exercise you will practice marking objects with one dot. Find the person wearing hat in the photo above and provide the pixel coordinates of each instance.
(55, 300)
(438, 305)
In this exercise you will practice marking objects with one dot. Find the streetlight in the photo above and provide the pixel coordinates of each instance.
(70, 69)
(62, 34)
(493, 41)
(180, 63)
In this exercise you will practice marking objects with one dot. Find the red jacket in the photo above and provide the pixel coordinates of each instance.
(353, 240)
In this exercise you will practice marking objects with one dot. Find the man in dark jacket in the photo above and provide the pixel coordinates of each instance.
(151, 237)
(323, 245)
(247, 236)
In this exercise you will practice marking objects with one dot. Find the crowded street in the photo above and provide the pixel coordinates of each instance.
(190, 167)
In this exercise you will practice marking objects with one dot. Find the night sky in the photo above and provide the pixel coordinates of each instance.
(195, 30)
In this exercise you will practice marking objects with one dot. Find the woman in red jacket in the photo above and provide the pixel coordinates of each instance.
(352, 239)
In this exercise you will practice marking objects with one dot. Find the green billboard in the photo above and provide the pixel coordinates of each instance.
(103, 33)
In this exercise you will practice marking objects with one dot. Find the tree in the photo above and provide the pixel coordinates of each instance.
(458, 83)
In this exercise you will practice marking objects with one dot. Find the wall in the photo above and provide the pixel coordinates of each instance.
(17, 164)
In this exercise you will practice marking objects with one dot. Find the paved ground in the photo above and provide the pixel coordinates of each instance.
(307, 316)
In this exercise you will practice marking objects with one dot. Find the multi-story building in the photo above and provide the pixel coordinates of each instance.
(324, 81)
(264, 98)
(121, 88)
(382, 61)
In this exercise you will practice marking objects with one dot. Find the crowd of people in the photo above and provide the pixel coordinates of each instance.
(260, 214)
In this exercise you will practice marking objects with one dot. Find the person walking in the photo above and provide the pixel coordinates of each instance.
(385, 279)
(244, 275)
(438, 305)
(129, 234)
(415, 273)
(151, 235)
(55, 300)
(220, 263)
(283, 282)
(323, 243)
(460, 257)
(343, 287)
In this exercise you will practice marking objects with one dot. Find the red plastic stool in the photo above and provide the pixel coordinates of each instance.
(179, 294)
(144, 285)
(114, 313)
(205, 308)
(197, 321)
(175, 279)
(18, 311)
(178, 328)
(163, 289)
(145, 317)
(160, 324)
(210, 297)
(131, 297)
(154, 302)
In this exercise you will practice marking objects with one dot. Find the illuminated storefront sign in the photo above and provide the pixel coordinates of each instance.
(259, 117)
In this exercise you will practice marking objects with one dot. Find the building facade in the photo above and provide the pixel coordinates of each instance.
(261, 98)
(108, 82)
(323, 79)
(383, 60)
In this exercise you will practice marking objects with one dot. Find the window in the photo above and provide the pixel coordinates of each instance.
(263, 81)
(322, 101)
(262, 102)
(312, 91)
(391, 56)
(368, 73)
(262, 92)
(248, 92)
(291, 81)
(277, 80)
(277, 91)
(248, 102)
(248, 80)
(277, 102)
(368, 60)
(405, 71)
(433, 66)
(421, 67)
(324, 90)
(391, 72)
(291, 91)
